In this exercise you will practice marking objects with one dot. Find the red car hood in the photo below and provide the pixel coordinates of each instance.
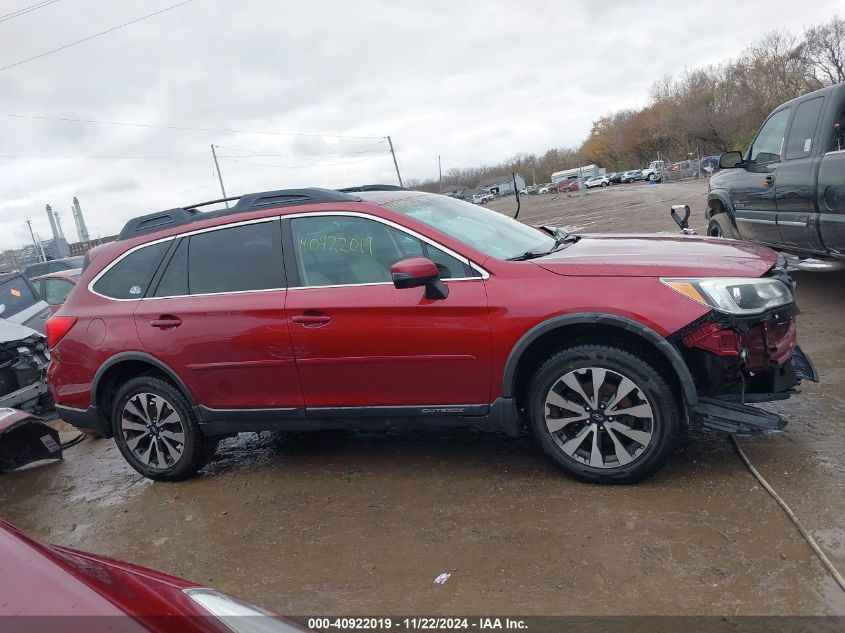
(622, 255)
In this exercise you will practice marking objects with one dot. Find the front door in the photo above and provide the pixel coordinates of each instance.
(216, 316)
(795, 189)
(361, 343)
(753, 190)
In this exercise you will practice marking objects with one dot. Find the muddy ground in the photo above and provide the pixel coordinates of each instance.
(363, 523)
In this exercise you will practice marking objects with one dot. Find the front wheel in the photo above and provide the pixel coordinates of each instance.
(157, 432)
(720, 226)
(602, 414)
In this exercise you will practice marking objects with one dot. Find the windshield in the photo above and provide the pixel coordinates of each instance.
(487, 231)
(15, 296)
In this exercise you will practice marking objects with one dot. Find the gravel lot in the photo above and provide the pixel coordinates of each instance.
(363, 523)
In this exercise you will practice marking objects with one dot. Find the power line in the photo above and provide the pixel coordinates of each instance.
(180, 127)
(25, 10)
(247, 162)
(91, 37)
(93, 156)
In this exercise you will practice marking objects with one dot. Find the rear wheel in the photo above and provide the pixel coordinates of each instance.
(157, 432)
(602, 414)
(720, 226)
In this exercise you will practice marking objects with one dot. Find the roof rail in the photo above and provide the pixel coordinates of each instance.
(361, 188)
(248, 202)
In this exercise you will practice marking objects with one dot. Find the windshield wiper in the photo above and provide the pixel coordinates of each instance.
(562, 240)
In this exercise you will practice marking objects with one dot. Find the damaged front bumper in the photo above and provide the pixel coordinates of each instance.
(738, 362)
(25, 439)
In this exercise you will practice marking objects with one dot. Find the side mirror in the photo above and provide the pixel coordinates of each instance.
(729, 160)
(419, 271)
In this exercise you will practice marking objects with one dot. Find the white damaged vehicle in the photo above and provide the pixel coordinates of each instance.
(23, 368)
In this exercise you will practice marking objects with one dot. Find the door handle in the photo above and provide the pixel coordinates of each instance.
(311, 320)
(768, 181)
(166, 322)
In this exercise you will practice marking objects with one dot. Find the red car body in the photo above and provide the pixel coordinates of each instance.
(343, 355)
(51, 588)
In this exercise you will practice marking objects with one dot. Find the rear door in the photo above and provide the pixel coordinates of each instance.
(795, 186)
(215, 314)
(753, 188)
(362, 344)
(830, 189)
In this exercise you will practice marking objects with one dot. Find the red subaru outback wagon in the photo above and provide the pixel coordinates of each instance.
(378, 306)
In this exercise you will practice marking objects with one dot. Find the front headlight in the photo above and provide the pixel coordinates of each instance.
(239, 616)
(739, 295)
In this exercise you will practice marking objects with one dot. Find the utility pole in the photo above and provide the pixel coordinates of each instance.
(395, 164)
(41, 246)
(34, 243)
(440, 171)
(219, 175)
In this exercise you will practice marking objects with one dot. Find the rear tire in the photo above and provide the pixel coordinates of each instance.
(619, 435)
(156, 430)
(720, 226)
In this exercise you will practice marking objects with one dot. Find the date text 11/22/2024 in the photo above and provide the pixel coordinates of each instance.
(418, 624)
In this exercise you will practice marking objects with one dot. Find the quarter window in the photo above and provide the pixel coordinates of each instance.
(56, 291)
(343, 250)
(174, 281)
(768, 145)
(129, 277)
(799, 144)
(238, 258)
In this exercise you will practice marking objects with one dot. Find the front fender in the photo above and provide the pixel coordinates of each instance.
(720, 195)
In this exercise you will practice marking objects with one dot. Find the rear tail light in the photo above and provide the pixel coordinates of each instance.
(57, 329)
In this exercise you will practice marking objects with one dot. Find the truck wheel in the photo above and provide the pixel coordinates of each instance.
(602, 414)
(156, 430)
(720, 226)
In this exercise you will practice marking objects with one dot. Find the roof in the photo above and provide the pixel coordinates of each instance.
(70, 274)
(178, 216)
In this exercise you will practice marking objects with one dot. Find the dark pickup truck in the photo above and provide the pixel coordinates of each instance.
(788, 191)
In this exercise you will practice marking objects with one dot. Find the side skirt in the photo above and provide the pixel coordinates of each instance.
(501, 415)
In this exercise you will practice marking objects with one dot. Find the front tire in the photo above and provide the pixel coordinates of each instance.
(156, 430)
(720, 226)
(602, 414)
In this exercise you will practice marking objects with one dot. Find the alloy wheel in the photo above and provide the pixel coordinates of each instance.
(599, 417)
(153, 430)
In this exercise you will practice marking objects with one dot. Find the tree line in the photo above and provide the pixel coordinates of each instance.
(701, 112)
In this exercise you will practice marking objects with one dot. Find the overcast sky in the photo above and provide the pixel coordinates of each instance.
(474, 82)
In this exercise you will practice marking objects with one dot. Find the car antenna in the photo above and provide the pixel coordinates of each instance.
(516, 191)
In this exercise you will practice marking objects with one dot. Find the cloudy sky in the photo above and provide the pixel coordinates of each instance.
(471, 81)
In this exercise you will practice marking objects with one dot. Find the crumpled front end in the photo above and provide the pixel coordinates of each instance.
(740, 360)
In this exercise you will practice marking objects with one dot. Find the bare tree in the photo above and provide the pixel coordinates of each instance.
(825, 50)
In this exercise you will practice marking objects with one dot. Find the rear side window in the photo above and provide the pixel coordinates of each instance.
(174, 281)
(130, 276)
(800, 141)
(238, 258)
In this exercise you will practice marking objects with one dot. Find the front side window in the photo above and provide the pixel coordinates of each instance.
(15, 296)
(236, 259)
(486, 231)
(130, 276)
(345, 250)
(768, 145)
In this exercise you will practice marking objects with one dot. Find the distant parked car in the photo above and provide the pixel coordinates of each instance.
(529, 191)
(52, 266)
(544, 189)
(597, 181)
(615, 178)
(55, 287)
(631, 175)
(566, 185)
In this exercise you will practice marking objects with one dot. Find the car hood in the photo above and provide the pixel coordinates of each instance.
(13, 332)
(659, 256)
